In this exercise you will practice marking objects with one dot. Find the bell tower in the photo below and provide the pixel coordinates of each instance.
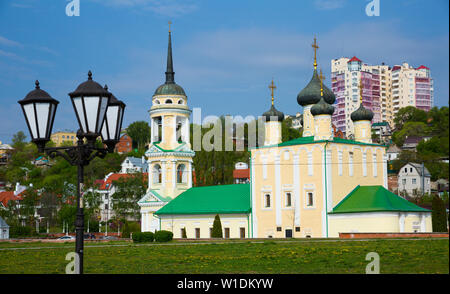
(169, 155)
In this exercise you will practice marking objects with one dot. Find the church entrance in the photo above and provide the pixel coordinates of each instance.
(288, 233)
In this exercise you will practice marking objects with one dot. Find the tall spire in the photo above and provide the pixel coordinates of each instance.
(170, 74)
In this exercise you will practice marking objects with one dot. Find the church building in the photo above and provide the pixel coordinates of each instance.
(315, 186)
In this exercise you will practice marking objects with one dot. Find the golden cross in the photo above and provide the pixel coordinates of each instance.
(272, 87)
(169, 25)
(315, 46)
(322, 78)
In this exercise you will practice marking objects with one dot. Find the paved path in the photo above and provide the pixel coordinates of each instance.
(210, 243)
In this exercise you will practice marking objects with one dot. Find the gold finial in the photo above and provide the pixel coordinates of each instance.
(272, 87)
(315, 46)
(361, 87)
(169, 25)
(322, 78)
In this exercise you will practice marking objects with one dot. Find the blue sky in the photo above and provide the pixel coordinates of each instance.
(225, 52)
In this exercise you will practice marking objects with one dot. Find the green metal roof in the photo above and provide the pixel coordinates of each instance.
(373, 199)
(222, 199)
(310, 140)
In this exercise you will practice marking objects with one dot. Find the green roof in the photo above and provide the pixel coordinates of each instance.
(222, 199)
(310, 140)
(374, 199)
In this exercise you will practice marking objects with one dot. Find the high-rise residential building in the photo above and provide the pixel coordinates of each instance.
(347, 75)
(385, 90)
(411, 87)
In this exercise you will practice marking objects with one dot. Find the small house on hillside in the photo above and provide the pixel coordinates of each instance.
(414, 179)
(4, 229)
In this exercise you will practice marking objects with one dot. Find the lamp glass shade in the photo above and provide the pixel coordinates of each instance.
(90, 111)
(39, 109)
(113, 122)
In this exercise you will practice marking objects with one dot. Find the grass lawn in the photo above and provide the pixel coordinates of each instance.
(266, 257)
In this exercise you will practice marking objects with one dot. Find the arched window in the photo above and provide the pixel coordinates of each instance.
(157, 101)
(168, 101)
(180, 101)
(157, 175)
(267, 200)
(181, 174)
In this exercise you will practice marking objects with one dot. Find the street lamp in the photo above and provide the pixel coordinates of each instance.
(113, 122)
(90, 102)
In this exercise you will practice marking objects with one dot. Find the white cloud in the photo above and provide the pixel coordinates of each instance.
(329, 4)
(6, 42)
(171, 8)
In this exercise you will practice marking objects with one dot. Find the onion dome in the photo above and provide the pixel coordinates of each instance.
(311, 93)
(89, 88)
(273, 112)
(170, 87)
(361, 114)
(322, 108)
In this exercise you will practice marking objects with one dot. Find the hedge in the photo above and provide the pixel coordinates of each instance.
(143, 237)
(163, 236)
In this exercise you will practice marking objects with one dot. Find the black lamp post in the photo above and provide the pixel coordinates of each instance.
(91, 103)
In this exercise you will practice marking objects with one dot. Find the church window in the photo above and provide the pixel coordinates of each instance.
(168, 101)
(181, 174)
(180, 101)
(297, 229)
(227, 233)
(310, 199)
(288, 199)
(197, 233)
(279, 229)
(267, 200)
(157, 175)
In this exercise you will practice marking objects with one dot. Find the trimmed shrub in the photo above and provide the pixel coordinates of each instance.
(143, 237)
(130, 227)
(438, 215)
(184, 235)
(217, 228)
(163, 236)
(19, 231)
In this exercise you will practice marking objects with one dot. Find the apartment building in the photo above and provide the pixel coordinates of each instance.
(411, 87)
(346, 77)
(385, 90)
(60, 137)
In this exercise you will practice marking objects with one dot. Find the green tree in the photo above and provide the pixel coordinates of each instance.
(438, 215)
(128, 192)
(139, 132)
(217, 228)
(409, 114)
(18, 140)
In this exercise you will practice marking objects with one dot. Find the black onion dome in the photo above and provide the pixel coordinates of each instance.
(89, 88)
(170, 87)
(361, 114)
(322, 108)
(311, 93)
(273, 112)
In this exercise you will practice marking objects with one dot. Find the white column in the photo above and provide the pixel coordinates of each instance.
(186, 131)
(422, 223)
(278, 190)
(164, 170)
(162, 128)
(174, 124)
(152, 129)
(297, 189)
(174, 174)
(401, 220)
(150, 173)
(364, 159)
(189, 171)
(253, 195)
(329, 180)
